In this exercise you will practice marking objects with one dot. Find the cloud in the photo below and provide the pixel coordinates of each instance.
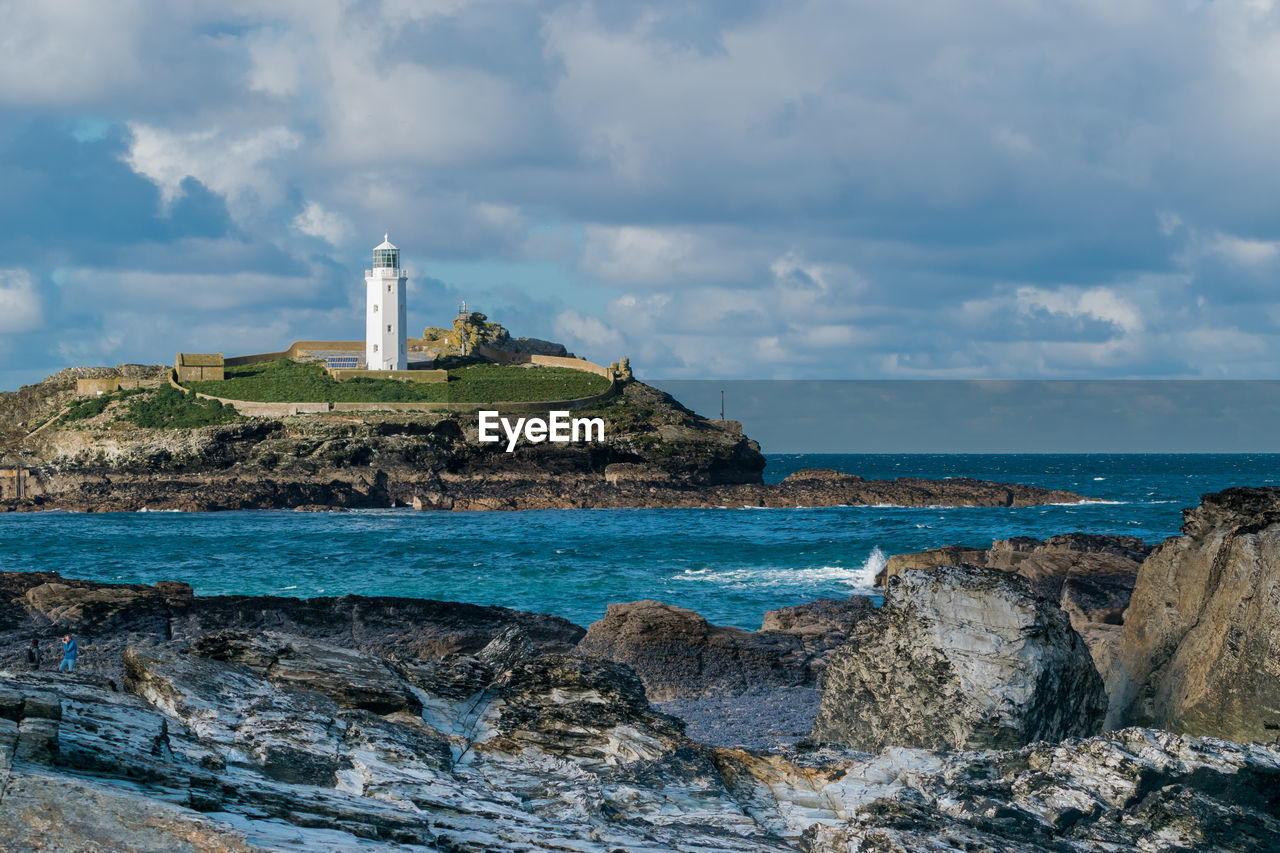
(729, 189)
(315, 221)
(1246, 252)
(1098, 303)
(234, 165)
(20, 309)
(577, 330)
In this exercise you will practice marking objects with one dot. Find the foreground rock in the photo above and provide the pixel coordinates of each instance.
(1136, 789)
(106, 618)
(561, 753)
(679, 654)
(371, 725)
(960, 658)
(1090, 576)
(1201, 646)
(733, 687)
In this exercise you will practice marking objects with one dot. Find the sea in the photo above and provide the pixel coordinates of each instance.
(730, 564)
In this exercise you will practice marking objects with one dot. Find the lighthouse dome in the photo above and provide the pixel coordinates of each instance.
(385, 255)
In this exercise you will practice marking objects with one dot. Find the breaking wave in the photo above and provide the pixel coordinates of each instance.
(855, 578)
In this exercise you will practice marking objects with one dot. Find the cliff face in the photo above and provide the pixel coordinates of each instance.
(104, 463)
(656, 453)
(1201, 647)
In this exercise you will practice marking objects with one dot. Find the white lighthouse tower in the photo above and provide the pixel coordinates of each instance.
(385, 345)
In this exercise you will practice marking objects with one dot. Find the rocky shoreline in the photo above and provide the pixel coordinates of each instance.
(657, 453)
(341, 489)
(966, 713)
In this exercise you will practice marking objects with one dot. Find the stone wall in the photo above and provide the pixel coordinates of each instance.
(297, 348)
(106, 385)
(199, 366)
(280, 410)
(504, 357)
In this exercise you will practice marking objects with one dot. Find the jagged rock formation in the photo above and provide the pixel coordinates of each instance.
(1201, 646)
(554, 752)
(1090, 576)
(656, 453)
(366, 725)
(960, 658)
(1135, 789)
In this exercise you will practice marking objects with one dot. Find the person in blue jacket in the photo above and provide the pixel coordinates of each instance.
(69, 652)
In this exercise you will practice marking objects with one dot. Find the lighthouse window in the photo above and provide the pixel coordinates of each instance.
(388, 288)
(375, 309)
(388, 328)
(375, 347)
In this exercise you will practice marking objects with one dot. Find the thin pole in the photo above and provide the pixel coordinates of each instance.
(721, 404)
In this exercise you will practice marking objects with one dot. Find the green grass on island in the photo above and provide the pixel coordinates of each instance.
(169, 408)
(164, 408)
(285, 381)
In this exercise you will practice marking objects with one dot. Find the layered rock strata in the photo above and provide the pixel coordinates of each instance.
(247, 725)
(1201, 646)
(1090, 576)
(507, 749)
(960, 657)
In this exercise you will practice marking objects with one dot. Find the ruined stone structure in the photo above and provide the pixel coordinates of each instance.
(197, 366)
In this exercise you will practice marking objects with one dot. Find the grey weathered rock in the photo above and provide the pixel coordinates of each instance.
(1201, 645)
(351, 679)
(1135, 789)
(960, 658)
(1090, 576)
(106, 618)
(215, 751)
(822, 625)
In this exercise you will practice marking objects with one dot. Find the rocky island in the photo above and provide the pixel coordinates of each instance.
(966, 713)
(152, 447)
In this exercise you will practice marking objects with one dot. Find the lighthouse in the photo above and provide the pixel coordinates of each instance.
(385, 346)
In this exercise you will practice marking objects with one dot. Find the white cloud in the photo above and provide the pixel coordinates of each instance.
(250, 292)
(646, 256)
(315, 221)
(584, 331)
(1096, 303)
(69, 52)
(234, 165)
(20, 308)
(1246, 252)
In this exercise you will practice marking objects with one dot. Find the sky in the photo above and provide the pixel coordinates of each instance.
(994, 416)
(731, 189)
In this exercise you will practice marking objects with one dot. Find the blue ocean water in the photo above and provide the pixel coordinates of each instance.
(731, 565)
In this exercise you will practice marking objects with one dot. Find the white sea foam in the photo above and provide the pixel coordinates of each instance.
(856, 578)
